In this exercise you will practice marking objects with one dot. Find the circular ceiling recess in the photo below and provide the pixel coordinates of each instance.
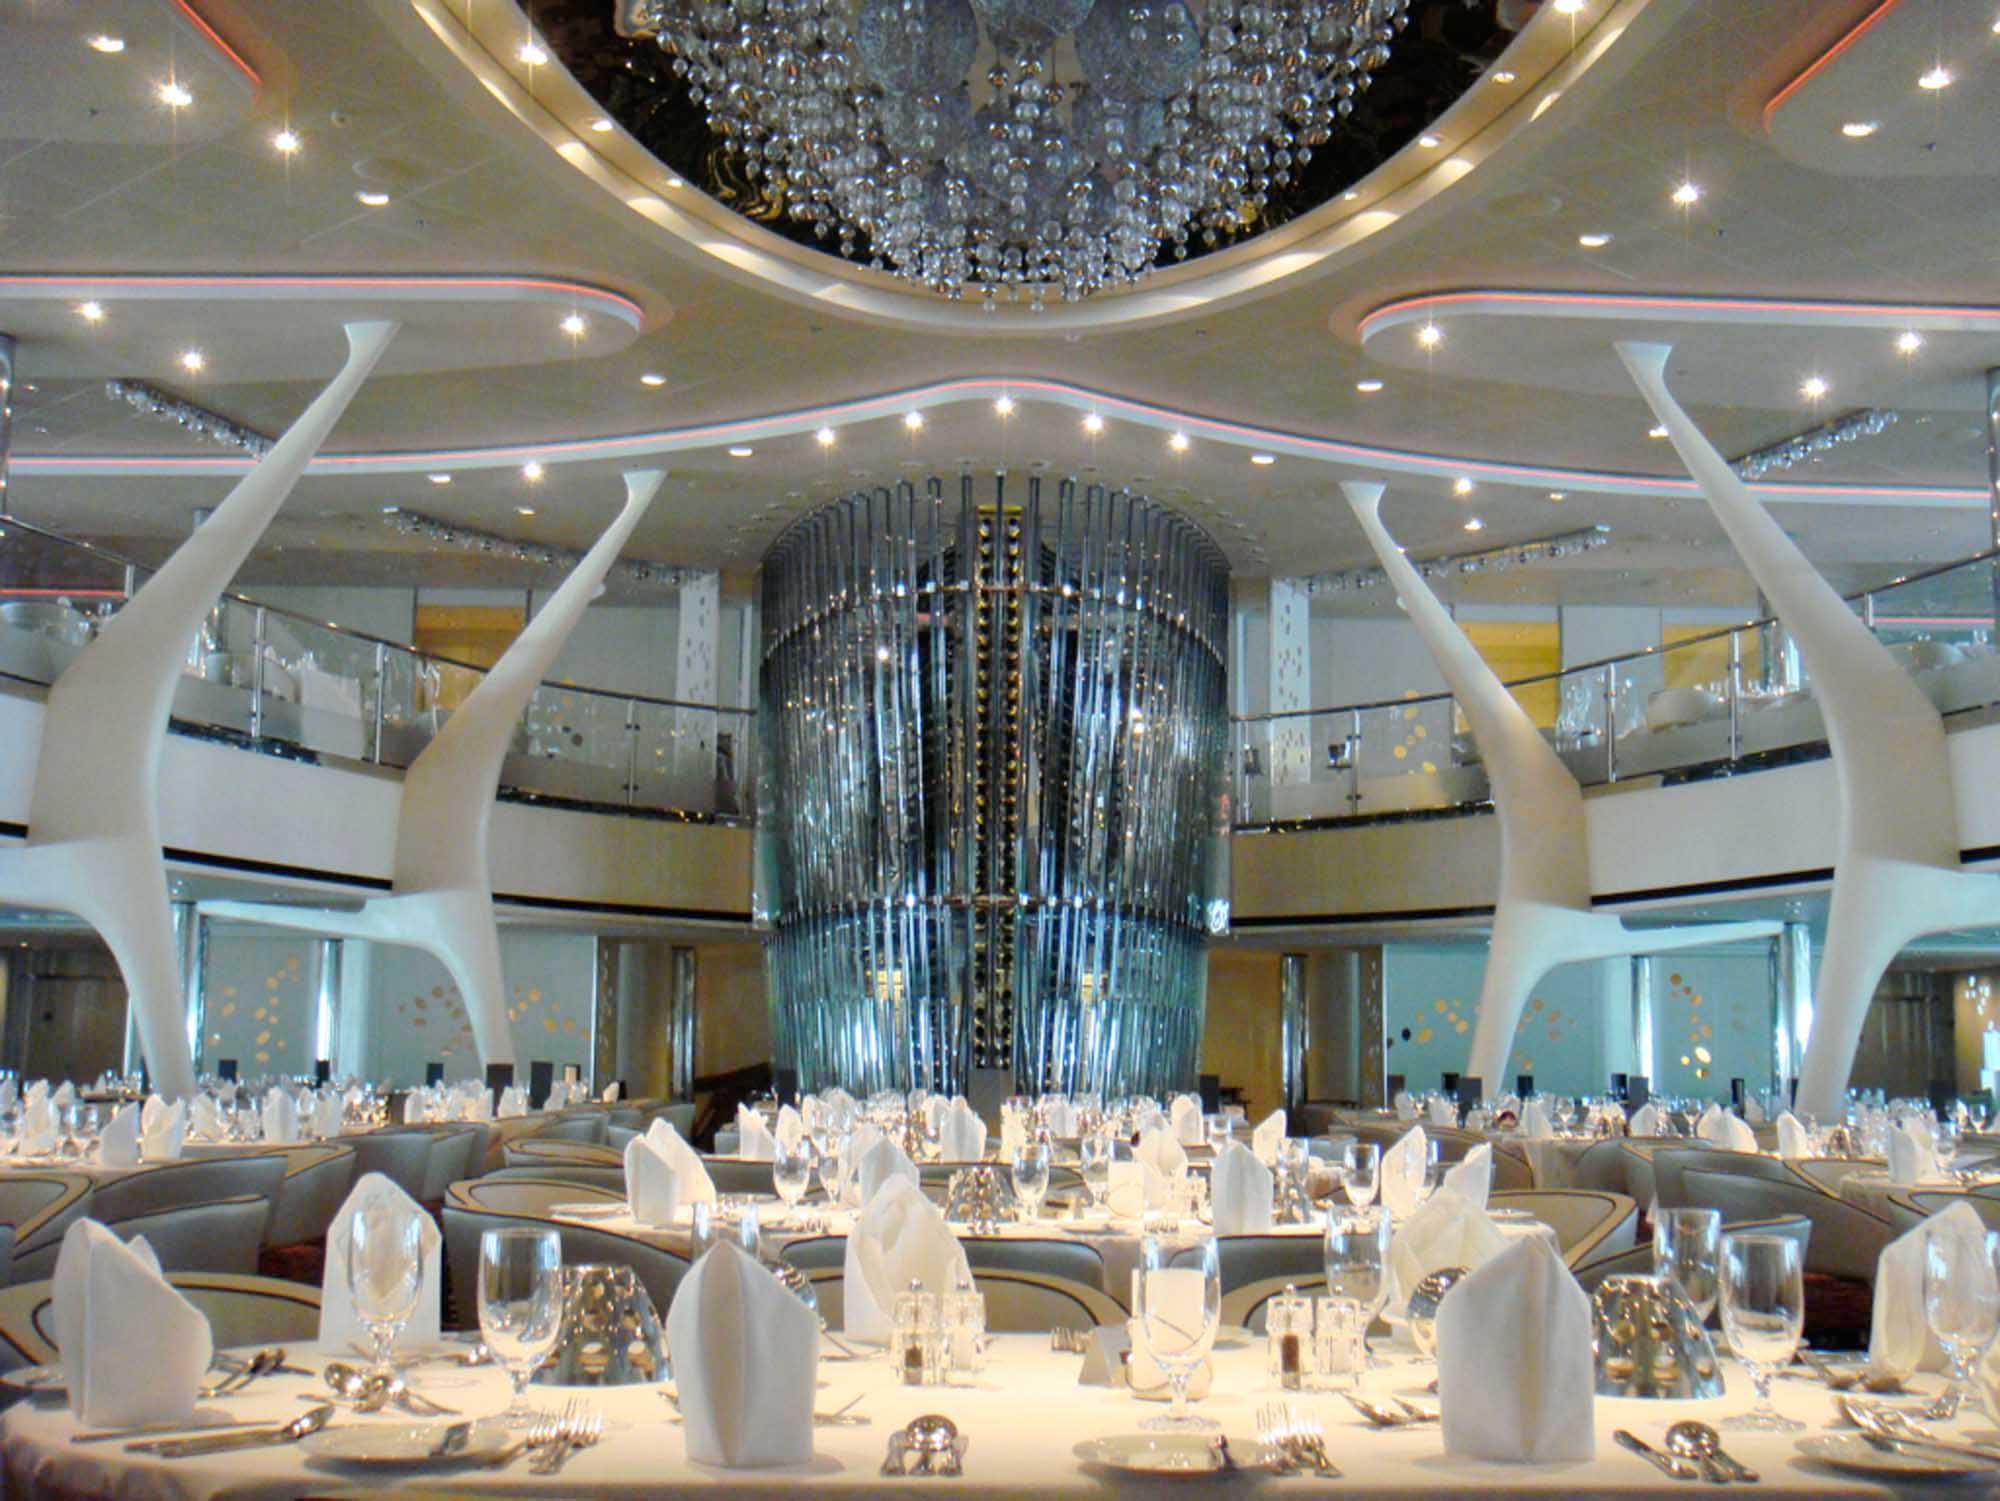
(1438, 50)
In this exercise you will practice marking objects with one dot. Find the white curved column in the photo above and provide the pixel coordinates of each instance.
(1541, 915)
(442, 892)
(1896, 874)
(93, 844)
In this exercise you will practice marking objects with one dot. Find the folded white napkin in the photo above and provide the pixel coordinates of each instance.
(327, 1115)
(1268, 1137)
(38, 1128)
(934, 1109)
(1239, 1191)
(1165, 1155)
(416, 1108)
(652, 1186)
(1476, 1120)
(338, 1323)
(558, 1095)
(790, 1129)
(10, 1094)
(753, 1138)
(1792, 1140)
(746, 1362)
(119, 1145)
(1447, 1231)
(107, 1294)
(1754, 1113)
(898, 1238)
(1523, 1314)
(1911, 1159)
(1724, 1131)
(1402, 1171)
(1443, 1113)
(1186, 1118)
(1406, 1106)
(281, 1117)
(38, 1089)
(1151, 1118)
(162, 1132)
(205, 1119)
(882, 1163)
(1645, 1121)
(1061, 1120)
(961, 1134)
(65, 1094)
(1900, 1342)
(611, 1093)
(1535, 1123)
(691, 1181)
(1472, 1178)
(859, 1140)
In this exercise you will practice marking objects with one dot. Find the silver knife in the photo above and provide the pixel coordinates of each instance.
(253, 1438)
(453, 1439)
(1666, 1463)
(161, 1430)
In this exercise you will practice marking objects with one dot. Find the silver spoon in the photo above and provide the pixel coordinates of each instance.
(1698, 1441)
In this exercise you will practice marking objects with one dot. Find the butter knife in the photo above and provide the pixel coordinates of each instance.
(252, 1438)
(1665, 1463)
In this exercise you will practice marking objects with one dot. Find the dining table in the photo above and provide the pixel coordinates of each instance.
(1023, 1417)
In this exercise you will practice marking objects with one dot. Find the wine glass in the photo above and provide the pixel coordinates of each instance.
(520, 1306)
(1685, 1246)
(1180, 1306)
(1221, 1132)
(385, 1272)
(1763, 1313)
(1094, 1154)
(1356, 1249)
(1031, 1176)
(791, 1171)
(832, 1147)
(1363, 1171)
(1962, 1303)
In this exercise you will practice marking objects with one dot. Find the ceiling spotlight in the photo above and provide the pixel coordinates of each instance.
(914, 421)
(105, 42)
(1939, 77)
(601, 125)
(1368, 387)
(1568, 7)
(1430, 336)
(1558, 495)
(1262, 458)
(1657, 430)
(574, 325)
(1687, 194)
(1428, 141)
(1178, 442)
(1860, 130)
(372, 198)
(174, 95)
(286, 142)
(1004, 406)
(440, 479)
(824, 437)
(1474, 524)
(532, 472)
(741, 451)
(652, 378)
(524, 510)
(675, 182)
(193, 360)
(533, 53)
(1909, 341)
(90, 312)
(1813, 388)
(1093, 424)
(1595, 240)
(1461, 486)
(1502, 75)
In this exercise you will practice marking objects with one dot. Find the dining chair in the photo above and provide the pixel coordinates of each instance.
(315, 1184)
(1925, 1202)
(523, 1195)
(241, 1310)
(196, 1180)
(611, 1179)
(401, 1154)
(37, 1208)
(1022, 1302)
(1637, 1261)
(585, 1125)
(1847, 1240)
(537, 1151)
(1068, 1260)
(220, 1237)
(1586, 1221)
(455, 1153)
(659, 1270)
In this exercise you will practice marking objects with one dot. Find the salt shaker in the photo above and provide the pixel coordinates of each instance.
(915, 1339)
(1288, 1326)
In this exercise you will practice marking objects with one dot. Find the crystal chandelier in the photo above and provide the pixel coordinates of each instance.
(1021, 146)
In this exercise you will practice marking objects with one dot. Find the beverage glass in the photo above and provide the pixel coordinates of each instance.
(520, 1306)
(1031, 1176)
(1362, 1172)
(1179, 1307)
(1763, 1313)
(1356, 1251)
(385, 1268)
(791, 1171)
(1686, 1244)
(1094, 1162)
(1962, 1304)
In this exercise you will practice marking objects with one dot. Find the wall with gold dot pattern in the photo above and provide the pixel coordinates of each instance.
(1431, 1004)
(259, 990)
(1711, 1023)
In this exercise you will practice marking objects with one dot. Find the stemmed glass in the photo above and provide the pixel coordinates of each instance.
(1356, 1249)
(1094, 1153)
(832, 1147)
(520, 1306)
(1685, 1246)
(1962, 1304)
(1763, 1313)
(791, 1171)
(385, 1273)
(1180, 1306)
(1363, 1171)
(1031, 1176)
(1221, 1132)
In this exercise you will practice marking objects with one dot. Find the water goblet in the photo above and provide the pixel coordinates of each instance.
(1356, 1252)
(791, 1171)
(1362, 1170)
(1179, 1308)
(1763, 1313)
(385, 1269)
(1031, 1177)
(1094, 1154)
(520, 1307)
(1686, 1243)
(1962, 1304)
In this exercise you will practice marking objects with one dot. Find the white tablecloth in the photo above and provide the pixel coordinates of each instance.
(1023, 1418)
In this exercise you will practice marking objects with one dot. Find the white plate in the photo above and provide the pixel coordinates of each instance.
(43, 1380)
(592, 1209)
(1852, 1452)
(1177, 1454)
(401, 1446)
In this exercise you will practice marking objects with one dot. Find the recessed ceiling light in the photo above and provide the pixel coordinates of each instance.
(390, 510)
(532, 472)
(1687, 194)
(652, 378)
(1657, 430)
(1262, 458)
(372, 198)
(90, 312)
(533, 53)
(1502, 75)
(741, 451)
(286, 142)
(1860, 130)
(1559, 495)
(524, 510)
(1474, 524)
(193, 360)
(440, 479)
(1595, 240)
(1568, 7)
(574, 325)
(601, 125)
(1350, 195)
(1004, 406)
(1813, 388)
(105, 42)
(675, 182)
(1428, 141)
(1430, 336)
(913, 420)
(1461, 486)
(1909, 341)
(1368, 387)
(1933, 79)
(174, 94)
(1093, 424)
(825, 437)
(1178, 442)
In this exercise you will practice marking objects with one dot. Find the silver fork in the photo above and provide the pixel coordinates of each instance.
(549, 1458)
(1271, 1434)
(1311, 1437)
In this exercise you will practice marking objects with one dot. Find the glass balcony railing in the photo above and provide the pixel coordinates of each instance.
(1725, 700)
(275, 679)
